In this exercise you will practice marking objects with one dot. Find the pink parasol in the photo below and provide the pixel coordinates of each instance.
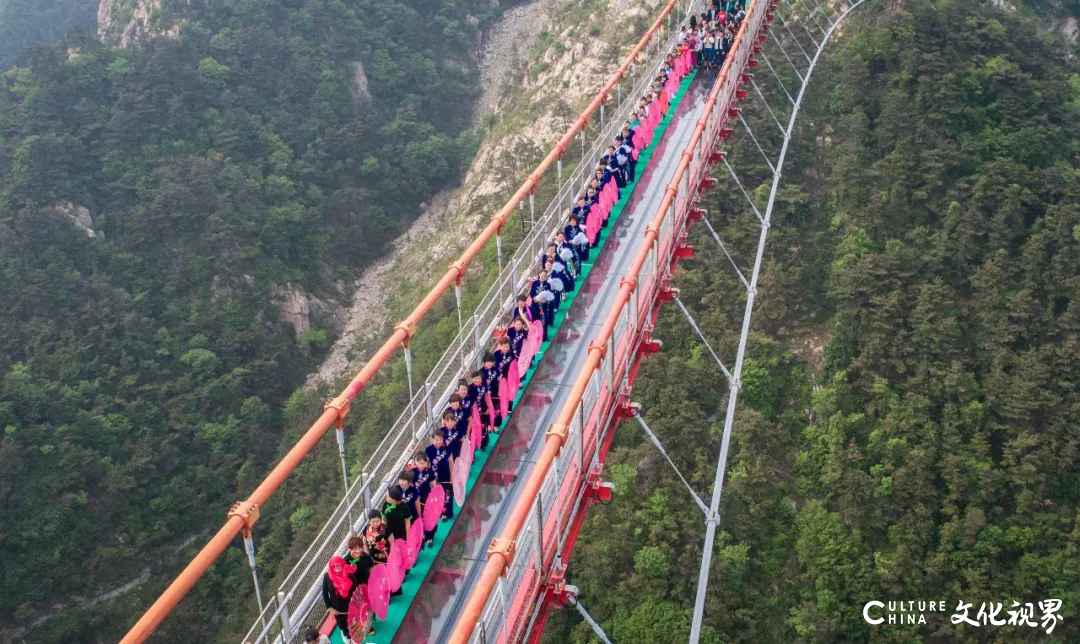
(513, 377)
(524, 358)
(476, 428)
(414, 542)
(379, 590)
(490, 408)
(504, 396)
(467, 451)
(433, 508)
(461, 475)
(592, 228)
(359, 617)
(527, 352)
(395, 564)
(608, 196)
(536, 336)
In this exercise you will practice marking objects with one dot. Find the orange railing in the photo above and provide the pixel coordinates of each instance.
(694, 157)
(244, 514)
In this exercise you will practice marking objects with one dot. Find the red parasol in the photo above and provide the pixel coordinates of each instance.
(359, 617)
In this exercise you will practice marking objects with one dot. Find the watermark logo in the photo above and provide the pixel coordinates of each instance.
(903, 613)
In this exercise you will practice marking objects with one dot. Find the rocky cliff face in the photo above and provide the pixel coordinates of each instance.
(544, 64)
(121, 22)
(549, 61)
(294, 307)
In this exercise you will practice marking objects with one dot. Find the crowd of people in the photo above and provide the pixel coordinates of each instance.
(711, 35)
(481, 401)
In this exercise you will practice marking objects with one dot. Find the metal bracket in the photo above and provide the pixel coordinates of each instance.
(341, 405)
(557, 586)
(409, 327)
(504, 548)
(597, 488)
(560, 430)
(461, 267)
(247, 511)
(668, 293)
(650, 345)
(683, 251)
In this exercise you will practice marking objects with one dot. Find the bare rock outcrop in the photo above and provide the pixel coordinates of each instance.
(122, 22)
(293, 306)
(359, 84)
(80, 216)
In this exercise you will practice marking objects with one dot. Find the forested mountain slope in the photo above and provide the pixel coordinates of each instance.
(927, 235)
(27, 22)
(260, 149)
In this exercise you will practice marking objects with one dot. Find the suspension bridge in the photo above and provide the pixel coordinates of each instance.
(501, 566)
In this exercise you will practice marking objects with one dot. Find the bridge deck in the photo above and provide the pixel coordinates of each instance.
(453, 573)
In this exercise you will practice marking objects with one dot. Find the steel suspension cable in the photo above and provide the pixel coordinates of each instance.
(753, 138)
(589, 620)
(712, 232)
(746, 194)
(663, 452)
(693, 323)
(766, 103)
(729, 418)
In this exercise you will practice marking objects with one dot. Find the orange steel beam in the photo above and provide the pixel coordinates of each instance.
(333, 411)
(498, 555)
